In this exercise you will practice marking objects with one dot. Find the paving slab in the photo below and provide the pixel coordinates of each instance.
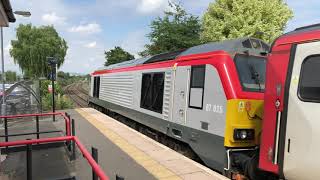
(158, 160)
(112, 159)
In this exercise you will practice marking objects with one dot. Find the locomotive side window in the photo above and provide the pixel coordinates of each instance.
(309, 85)
(152, 91)
(197, 79)
(96, 86)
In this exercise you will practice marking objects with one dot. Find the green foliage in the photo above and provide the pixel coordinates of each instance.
(63, 75)
(117, 55)
(33, 46)
(65, 79)
(44, 88)
(228, 19)
(61, 102)
(176, 30)
(10, 76)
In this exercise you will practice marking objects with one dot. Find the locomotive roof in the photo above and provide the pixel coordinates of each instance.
(252, 45)
(231, 46)
(304, 29)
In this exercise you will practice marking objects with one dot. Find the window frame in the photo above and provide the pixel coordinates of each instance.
(243, 88)
(190, 85)
(301, 77)
(152, 86)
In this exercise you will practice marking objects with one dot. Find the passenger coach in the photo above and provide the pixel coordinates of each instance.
(291, 125)
(209, 97)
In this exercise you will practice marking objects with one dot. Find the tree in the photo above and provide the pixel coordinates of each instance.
(228, 19)
(176, 30)
(63, 75)
(11, 76)
(33, 46)
(117, 55)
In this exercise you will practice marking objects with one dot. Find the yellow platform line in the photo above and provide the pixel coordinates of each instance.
(153, 167)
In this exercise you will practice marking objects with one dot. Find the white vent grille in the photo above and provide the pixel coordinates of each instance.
(167, 95)
(117, 89)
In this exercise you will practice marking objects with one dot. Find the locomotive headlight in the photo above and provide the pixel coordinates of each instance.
(243, 134)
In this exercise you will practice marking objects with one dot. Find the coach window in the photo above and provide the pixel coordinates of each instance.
(196, 92)
(152, 91)
(309, 85)
(96, 86)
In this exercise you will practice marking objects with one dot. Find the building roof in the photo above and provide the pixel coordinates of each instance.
(8, 9)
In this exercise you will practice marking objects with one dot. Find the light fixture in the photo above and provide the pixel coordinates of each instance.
(23, 13)
(243, 134)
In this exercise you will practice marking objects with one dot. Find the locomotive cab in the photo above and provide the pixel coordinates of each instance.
(244, 115)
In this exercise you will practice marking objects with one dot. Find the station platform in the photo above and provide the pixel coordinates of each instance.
(132, 155)
(122, 152)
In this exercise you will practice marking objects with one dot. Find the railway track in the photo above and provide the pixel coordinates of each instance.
(77, 94)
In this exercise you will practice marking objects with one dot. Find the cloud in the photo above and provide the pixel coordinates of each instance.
(52, 18)
(304, 13)
(91, 44)
(8, 47)
(134, 42)
(90, 28)
(91, 59)
(151, 6)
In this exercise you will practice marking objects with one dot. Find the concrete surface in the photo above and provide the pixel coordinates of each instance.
(122, 151)
(157, 159)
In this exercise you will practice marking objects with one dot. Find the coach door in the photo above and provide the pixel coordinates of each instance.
(302, 136)
(181, 84)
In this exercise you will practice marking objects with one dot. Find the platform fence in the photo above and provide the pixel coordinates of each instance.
(69, 138)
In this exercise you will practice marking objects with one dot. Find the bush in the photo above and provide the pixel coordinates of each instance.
(61, 102)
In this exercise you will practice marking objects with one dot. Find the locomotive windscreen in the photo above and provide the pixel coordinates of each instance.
(252, 72)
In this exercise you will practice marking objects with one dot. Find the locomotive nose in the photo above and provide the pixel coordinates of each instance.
(243, 122)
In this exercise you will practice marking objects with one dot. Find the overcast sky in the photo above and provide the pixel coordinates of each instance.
(92, 26)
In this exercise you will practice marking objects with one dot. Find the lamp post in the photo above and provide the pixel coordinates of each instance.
(3, 105)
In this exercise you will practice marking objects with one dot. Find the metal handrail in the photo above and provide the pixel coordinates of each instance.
(95, 166)
(67, 120)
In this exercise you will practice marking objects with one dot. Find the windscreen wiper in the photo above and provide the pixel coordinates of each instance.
(255, 75)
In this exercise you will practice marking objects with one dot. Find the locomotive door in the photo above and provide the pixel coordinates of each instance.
(302, 136)
(180, 95)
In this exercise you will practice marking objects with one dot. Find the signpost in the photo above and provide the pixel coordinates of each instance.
(52, 76)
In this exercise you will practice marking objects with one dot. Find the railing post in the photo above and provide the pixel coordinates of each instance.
(37, 127)
(6, 129)
(73, 128)
(94, 153)
(29, 162)
(119, 177)
(69, 117)
(66, 122)
(67, 142)
(73, 133)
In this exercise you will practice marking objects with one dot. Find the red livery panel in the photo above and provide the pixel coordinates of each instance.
(221, 60)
